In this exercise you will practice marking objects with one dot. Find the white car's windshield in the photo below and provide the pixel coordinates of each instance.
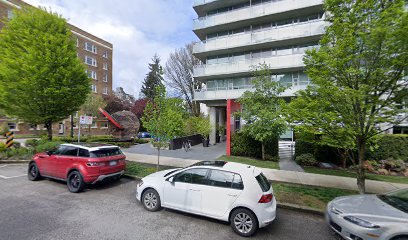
(397, 199)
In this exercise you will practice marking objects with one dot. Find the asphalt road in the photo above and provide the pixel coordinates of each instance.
(46, 210)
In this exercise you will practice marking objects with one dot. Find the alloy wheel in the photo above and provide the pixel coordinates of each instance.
(150, 200)
(243, 223)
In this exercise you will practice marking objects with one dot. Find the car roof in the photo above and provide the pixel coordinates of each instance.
(90, 146)
(229, 166)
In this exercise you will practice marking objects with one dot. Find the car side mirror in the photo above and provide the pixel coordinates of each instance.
(49, 153)
(170, 179)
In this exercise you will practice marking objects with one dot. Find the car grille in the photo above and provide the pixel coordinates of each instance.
(335, 226)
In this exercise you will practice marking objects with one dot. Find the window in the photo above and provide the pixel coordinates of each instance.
(105, 66)
(195, 176)
(237, 182)
(77, 44)
(221, 179)
(93, 87)
(33, 126)
(94, 125)
(106, 152)
(12, 126)
(83, 152)
(90, 61)
(105, 90)
(105, 125)
(10, 14)
(91, 74)
(105, 54)
(90, 48)
(70, 151)
(263, 182)
(105, 77)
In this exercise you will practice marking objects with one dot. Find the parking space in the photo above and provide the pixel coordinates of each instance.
(8, 171)
(46, 210)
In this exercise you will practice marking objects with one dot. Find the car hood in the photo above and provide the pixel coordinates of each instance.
(160, 174)
(367, 205)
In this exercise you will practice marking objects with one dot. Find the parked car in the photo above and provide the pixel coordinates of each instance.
(79, 164)
(368, 217)
(231, 192)
(143, 135)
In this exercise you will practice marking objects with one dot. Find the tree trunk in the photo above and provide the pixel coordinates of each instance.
(48, 125)
(263, 151)
(158, 157)
(89, 130)
(361, 147)
(72, 126)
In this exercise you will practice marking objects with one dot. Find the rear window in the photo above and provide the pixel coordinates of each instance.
(263, 182)
(106, 152)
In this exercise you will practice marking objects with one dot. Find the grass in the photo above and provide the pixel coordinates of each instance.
(141, 169)
(346, 173)
(251, 161)
(309, 196)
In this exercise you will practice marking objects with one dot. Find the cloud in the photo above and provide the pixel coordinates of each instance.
(137, 29)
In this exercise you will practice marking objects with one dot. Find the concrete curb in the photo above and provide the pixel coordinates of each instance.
(300, 208)
(132, 177)
(14, 161)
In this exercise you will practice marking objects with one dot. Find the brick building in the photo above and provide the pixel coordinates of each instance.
(96, 54)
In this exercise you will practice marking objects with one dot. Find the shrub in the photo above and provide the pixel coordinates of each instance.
(2, 147)
(391, 147)
(17, 154)
(47, 146)
(140, 140)
(16, 144)
(306, 160)
(244, 145)
(322, 153)
(32, 143)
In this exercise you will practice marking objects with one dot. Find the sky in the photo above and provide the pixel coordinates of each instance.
(137, 29)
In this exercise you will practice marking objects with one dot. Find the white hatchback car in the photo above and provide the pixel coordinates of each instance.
(231, 192)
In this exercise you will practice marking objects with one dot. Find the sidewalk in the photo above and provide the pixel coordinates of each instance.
(284, 176)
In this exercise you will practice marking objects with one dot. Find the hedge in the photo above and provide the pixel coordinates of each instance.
(244, 145)
(322, 153)
(390, 146)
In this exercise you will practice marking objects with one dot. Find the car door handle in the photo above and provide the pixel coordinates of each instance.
(232, 195)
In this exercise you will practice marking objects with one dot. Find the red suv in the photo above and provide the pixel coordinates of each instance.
(79, 164)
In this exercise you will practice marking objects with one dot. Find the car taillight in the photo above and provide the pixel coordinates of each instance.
(95, 164)
(266, 198)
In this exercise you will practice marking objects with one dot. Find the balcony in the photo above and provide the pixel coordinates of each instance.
(294, 61)
(300, 30)
(251, 12)
(202, 2)
(235, 93)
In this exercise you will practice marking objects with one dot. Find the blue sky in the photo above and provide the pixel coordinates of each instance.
(137, 29)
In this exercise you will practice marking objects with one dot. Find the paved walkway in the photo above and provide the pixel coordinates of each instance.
(197, 152)
(282, 175)
(286, 161)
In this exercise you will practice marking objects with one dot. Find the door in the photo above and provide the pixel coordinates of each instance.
(62, 161)
(185, 191)
(222, 190)
(48, 162)
(61, 128)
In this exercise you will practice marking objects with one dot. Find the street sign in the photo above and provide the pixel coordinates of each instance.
(10, 139)
(85, 120)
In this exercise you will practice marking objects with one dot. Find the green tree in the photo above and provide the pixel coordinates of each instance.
(357, 74)
(163, 119)
(153, 79)
(262, 107)
(41, 78)
(91, 107)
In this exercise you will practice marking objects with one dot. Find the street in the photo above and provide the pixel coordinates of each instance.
(46, 210)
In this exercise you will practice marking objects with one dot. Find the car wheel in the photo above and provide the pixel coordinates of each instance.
(401, 238)
(151, 200)
(75, 182)
(33, 172)
(244, 222)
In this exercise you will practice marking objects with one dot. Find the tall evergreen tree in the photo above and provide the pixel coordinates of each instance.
(153, 79)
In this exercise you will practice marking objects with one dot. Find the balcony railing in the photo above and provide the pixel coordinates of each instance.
(253, 12)
(235, 93)
(258, 37)
(202, 2)
(276, 62)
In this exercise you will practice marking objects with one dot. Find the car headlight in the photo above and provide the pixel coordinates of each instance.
(360, 222)
(335, 210)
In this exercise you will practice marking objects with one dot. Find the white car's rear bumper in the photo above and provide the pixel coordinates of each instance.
(266, 215)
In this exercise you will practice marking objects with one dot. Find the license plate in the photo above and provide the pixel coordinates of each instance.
(113, 163)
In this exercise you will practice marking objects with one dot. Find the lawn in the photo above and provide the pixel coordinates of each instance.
(345, 173)
(141, 169)
(251, 161)
(309, 196)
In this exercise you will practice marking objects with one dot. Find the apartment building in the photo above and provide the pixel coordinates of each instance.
(96, 54)
(236, 35)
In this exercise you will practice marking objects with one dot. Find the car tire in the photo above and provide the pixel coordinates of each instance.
(401, 238)
(151, 200)
(75, 182)
(244, 222)
(33, 172)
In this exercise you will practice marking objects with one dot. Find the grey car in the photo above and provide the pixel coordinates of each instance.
(369, 217)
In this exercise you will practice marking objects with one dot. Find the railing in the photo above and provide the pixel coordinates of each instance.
(202, 2)
(276, 62)
(253, 11)
(257, 37)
